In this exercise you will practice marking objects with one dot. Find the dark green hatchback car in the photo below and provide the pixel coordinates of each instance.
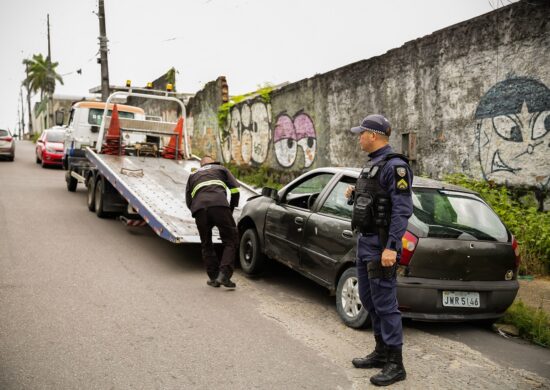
(459, 261)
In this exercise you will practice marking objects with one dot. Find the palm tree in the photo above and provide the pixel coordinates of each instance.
(41, 76)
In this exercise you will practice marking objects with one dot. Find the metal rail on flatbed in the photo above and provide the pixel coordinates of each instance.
(158, 192)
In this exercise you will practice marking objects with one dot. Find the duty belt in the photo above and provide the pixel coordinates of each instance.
(375, 270)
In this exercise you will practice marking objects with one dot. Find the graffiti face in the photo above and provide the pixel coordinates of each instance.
(294, 135)
(513, 122)
(248, 134)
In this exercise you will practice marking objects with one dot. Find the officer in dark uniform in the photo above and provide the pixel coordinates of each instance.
(206, 197)
(382, 206)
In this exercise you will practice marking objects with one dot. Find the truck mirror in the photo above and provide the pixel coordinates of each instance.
(59, 117)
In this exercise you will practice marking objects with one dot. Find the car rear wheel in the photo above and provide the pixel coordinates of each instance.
(348, 304)
(250, 253)
(91, 194)
(99, 198)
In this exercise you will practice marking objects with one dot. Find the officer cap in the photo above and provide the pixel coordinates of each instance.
(376, 123)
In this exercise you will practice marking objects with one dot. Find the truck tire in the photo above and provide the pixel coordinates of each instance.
(250, 253)
(71, 182)
(91, 193)
(348, 305)
(99, 197)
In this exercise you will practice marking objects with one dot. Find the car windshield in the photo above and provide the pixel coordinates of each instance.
(449, 214)
(96, 115)
(55, 136)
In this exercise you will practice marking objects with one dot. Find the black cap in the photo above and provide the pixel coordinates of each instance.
(375, 123)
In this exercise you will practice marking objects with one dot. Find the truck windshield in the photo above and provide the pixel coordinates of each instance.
(96, 114)
(450, 214)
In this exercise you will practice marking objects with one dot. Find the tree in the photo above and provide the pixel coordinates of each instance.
(41, 77)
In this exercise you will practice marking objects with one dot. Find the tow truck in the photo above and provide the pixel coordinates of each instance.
(137, 169)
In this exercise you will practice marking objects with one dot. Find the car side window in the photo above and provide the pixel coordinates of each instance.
(303, 194)
(336, 203)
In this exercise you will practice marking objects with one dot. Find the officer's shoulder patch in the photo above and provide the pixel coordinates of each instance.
(401, 179)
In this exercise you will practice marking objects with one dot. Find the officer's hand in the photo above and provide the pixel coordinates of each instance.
(388, 258)
(349, 191)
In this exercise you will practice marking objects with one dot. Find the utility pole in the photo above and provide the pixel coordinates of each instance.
(22, 127)
(103, 52)
(27, 86)
(48, 62)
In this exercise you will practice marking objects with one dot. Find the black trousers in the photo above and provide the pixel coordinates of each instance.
(222, 218)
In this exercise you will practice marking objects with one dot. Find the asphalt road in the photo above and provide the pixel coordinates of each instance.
(88, 303)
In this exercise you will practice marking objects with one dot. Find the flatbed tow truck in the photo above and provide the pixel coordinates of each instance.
(144, 182)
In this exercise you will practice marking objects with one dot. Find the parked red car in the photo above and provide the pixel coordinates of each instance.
(49, 147)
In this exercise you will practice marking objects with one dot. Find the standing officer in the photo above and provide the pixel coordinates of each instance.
(206, 197)
(381, 209)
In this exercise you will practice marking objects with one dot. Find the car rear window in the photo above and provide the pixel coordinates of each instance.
(55, 136)
(4, 133)
(450, 214)
(96, 115)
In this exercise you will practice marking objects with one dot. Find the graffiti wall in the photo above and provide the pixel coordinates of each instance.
(472, 98)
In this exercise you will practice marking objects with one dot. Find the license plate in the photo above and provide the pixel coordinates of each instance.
(460, 299)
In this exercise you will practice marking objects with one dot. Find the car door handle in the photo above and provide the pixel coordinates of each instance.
(299, 221)
(347, 234)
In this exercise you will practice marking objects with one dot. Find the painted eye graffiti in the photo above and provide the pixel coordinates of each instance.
(306, 137)
(293, 133)
(508, 128)
(541, 125)
(284, 139)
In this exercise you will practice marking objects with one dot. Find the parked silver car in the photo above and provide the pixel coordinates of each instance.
(7, 144)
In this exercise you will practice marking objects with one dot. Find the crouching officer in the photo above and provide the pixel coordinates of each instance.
(382, 205)
(206, 197)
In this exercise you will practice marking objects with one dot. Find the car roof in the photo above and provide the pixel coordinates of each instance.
(418, 182)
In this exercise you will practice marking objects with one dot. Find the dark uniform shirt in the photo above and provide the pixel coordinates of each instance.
(208, 186)
(397, 183)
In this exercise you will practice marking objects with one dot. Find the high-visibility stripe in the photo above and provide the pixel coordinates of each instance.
(234, 190)
(207, 183)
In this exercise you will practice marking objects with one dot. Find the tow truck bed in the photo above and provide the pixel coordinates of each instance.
(155, 188)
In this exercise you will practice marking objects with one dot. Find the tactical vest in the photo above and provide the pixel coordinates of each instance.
(372, 204)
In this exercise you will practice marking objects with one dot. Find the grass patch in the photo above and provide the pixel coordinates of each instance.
(533, 324)
(35, 137)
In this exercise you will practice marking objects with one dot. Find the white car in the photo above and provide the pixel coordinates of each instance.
(7, 144)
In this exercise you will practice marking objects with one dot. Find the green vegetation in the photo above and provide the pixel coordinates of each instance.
(533, 324)
(261, 176)
(264, 92)
(41, 76)
(530, 226)
(170, 77)
(35, 136)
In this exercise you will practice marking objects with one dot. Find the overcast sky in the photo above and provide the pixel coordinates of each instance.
(251, 42)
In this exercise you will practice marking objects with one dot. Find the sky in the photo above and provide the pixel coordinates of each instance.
(251, 42)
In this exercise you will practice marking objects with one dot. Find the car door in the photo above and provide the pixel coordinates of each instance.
(328, 236)
(286, 219)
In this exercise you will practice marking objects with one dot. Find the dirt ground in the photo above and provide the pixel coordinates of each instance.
(535, 293)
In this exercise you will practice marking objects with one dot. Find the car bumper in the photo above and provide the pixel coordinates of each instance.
(7, 151)
(53, 158)
(422, 299)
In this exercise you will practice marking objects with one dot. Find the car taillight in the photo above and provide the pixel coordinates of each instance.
(515, 247)
(409, 245)
(8, 138)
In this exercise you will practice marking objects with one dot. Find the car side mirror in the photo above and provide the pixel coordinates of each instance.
(270, 193)
(59, 117)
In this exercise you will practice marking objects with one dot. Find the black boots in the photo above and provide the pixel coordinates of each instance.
(393, 370)
(376, 359)
(213, 283)
(223, 280)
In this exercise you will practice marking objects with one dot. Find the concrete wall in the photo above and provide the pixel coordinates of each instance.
(471, 98)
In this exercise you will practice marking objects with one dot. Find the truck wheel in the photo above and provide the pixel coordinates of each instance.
(71, 182)
(91, 194)
(250, 253)
(99, 198)
(348, 305)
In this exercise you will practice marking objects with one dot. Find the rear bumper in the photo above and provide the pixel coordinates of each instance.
(7, 151)
(422, 299)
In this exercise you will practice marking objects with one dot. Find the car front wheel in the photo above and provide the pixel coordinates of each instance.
(250, 253)
(348, 304)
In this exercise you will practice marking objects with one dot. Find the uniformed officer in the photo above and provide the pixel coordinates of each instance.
(206, 197)
(382, 207)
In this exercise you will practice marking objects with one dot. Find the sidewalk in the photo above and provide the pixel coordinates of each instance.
(535, 293)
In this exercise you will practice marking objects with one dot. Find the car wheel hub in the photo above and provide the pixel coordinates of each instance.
(350, 298)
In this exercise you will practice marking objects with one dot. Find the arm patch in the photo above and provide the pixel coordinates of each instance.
(401, 179)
